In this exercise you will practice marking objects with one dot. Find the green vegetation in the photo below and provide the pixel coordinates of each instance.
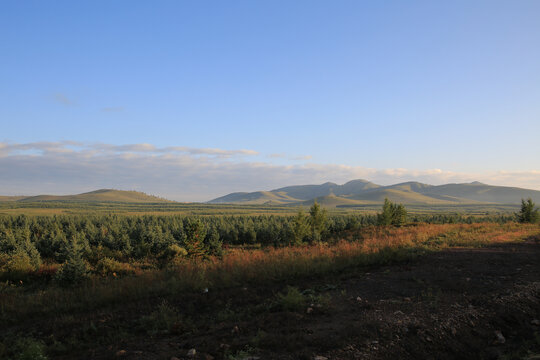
(74, 270)
(23, 348)
(292, 300)
(156, 293)
(71, 247)
(163, 320)
(392, 214)
(528, 213)
(300, 301)
(317, 222)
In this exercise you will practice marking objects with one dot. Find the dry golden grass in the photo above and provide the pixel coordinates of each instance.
(241, 266)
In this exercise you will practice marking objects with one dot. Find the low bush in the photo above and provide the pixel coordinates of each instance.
(22, 348)
(292, 300)
(18, 264)
(108, 266)
(164, 319)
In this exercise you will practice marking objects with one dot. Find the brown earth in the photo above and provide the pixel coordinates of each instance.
(454, 304)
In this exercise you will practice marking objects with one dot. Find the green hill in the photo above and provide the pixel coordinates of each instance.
(362, 192)
(256, 198)
(11, 198)
(483, 193)
(103, 195)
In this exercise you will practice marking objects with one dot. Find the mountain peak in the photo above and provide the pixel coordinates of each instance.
(362, 192)
(477, 183)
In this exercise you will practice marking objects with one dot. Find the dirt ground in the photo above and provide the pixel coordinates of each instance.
(455, 304)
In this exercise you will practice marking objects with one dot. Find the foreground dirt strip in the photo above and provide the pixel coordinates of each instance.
(455, 304)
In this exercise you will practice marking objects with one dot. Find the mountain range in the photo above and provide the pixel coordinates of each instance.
(363, 192)
(102, 195)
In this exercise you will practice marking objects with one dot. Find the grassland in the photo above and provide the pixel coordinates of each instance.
(202, 209)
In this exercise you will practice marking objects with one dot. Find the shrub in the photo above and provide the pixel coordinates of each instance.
(29, 349)
(107, 266)
(163, 320)
(20, 262)
(292, 300)
(173, 255)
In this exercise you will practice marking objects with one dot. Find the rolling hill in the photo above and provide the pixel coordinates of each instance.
(103, 195)
(363, 192)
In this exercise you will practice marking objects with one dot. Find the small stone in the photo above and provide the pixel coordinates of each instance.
(374, 342)
(121, 353)
(235, 330)
(191, 352)
(500, 338)
(319, 357)
(407, 299)
(535, 322)
(429, 339)
(468, 279)
(309, 310)
(358, 298)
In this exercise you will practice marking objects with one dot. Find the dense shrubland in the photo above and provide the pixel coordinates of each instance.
(68, 248)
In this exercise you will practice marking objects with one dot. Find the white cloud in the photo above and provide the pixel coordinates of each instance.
(192, 174)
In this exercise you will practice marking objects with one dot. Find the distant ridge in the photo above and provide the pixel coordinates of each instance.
(102, 195)
(363, 192)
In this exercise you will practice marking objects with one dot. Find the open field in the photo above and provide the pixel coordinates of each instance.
(201, 209)
(422, 291)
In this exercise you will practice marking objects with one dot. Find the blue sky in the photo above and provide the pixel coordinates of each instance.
(383, 87)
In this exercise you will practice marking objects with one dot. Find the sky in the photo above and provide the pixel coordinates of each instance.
(191, 100)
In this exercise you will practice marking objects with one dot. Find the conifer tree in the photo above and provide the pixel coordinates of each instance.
(195, 235)
(317, 222)
(74, 270)
(528, 213)
(300, 228)
(392, 214)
